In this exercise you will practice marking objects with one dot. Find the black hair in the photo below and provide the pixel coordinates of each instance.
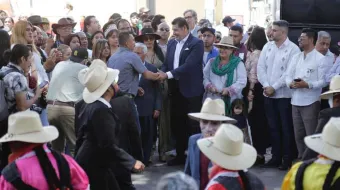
(87, 22)
(237, 103)
(18, 51)
(4, 45)
(115, 16)
(181, 22)
(281, 23)
(150, 17)
(237, 28)
(158, 52)
(257, 39)
(335, 49)
(123, 38)
(134, 14)
(157, 21)
(310, 33)
(108, 35)
(146, 20)
(97, 32)
(68, 39)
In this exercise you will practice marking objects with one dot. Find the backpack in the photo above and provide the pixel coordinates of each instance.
(12, 175)
(4, 112)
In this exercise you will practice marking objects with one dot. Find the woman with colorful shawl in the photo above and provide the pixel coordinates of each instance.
(225, 76)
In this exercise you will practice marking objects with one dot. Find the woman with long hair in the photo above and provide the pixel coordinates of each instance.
(96, 36)
(112, 37)
(22, 33)
(101, 50)
(254, 91)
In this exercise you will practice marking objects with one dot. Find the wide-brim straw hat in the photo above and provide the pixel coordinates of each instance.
(212, 110)
(97, 79)
(227, 41)
(26, 126)
(227, 148)
(334, 87)
(147, 32)
(328, 142)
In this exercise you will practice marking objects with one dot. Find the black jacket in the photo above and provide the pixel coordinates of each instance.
(98, 146)
(129, 138)
(324, 116)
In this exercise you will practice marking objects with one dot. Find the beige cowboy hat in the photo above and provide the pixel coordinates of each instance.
(97, 79)
(227, 41)
(212, 110)
(63, 22)
(328, 142)
(334, 87)
(26, 126)
(227, 148)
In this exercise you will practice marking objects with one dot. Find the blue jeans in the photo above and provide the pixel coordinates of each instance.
(279, 116)
(44, 118)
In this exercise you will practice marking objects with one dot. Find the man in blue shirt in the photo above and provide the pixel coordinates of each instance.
(208, 38)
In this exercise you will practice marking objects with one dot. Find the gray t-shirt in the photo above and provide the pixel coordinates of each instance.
(130, 66)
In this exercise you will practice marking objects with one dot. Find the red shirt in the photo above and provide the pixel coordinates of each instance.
(204, 165)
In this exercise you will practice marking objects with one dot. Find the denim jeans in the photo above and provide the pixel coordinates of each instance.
(44, 118)
(279, 116)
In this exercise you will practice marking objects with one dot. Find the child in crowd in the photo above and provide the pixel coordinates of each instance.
(238, 114)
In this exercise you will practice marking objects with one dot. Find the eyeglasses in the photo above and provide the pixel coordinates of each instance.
(164, 29)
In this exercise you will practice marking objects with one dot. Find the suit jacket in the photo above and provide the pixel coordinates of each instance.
(189, 72)
(129, 138)
(324, 116)
(192, 164)
(152, 96)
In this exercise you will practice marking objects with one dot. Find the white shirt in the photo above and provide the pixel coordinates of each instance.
(205, 56)
(272, 66)
(104, 102)
(329, 57)
(179, 47)
(311, 69)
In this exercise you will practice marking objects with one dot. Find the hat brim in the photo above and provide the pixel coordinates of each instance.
(55, 26)
(48, 134)
(90, 97)
(244, 160)
(211, 117)
(140, 37)
(329, 94)
(316, 143)
(225, 45)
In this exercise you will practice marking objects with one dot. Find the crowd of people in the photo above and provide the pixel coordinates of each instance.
(86, 109)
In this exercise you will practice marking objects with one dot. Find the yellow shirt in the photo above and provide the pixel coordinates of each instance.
(314, 175)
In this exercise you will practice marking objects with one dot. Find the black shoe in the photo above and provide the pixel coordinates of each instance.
(260, 160)
(285, 166)
(271, 164)
(176, 161)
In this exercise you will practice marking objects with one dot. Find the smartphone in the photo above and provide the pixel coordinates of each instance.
(297, 80)
(41, 85)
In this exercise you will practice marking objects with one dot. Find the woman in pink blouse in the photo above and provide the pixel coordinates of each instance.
(256, 118)
(32, 165)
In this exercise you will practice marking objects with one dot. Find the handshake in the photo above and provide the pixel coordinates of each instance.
(160, 75)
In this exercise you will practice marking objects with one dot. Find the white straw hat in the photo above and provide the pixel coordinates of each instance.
(328, 142)
(334, 87)
(227, 148)
(26, 126)
(97, 79)
(212, 110)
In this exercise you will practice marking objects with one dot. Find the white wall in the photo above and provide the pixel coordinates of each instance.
(237, 7)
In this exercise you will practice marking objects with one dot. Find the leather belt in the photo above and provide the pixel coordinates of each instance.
(59, 103)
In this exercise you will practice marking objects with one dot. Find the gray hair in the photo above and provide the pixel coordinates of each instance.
(324, 34)
(177, 181)
(141, 45)
(80, 33)
(193, 13)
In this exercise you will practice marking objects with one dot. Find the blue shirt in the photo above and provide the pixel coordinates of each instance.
(212, 54)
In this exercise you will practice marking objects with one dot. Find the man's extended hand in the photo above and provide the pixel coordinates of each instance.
(138, 167)
(156, 114)
(162, 75)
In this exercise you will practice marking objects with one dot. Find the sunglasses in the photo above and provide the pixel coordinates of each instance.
(164, 29)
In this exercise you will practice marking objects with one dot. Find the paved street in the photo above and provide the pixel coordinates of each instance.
(272, 178)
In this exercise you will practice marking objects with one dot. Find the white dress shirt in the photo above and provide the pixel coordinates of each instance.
(105, 102)
(272, 66)
(329, 58)
(310, 68)
(179, 47)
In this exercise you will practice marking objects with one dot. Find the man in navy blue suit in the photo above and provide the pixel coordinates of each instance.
(148, 101)
(183, 69)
